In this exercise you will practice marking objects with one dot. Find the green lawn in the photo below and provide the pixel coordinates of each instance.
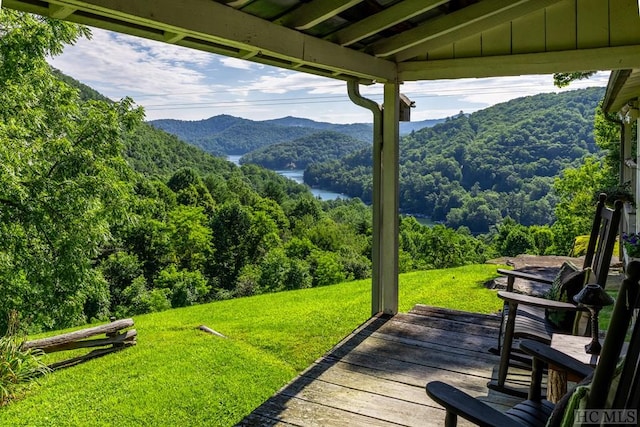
(179, 376)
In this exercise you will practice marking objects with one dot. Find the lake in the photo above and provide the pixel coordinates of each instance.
(297, 175)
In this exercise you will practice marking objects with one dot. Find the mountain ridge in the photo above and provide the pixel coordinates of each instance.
(225, 134)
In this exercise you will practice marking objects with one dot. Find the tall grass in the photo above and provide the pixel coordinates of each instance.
(179, 376)
(18, 367)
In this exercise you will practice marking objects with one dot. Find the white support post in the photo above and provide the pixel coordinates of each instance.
(636, 181)
(627, 174)
(377, 298)
(389, 203)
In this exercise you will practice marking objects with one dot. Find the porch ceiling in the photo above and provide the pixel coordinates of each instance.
(381, 40)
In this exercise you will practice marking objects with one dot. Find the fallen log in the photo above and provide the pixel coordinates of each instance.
(109, 328)
(210, 331)
(114, 340)
(81, 359)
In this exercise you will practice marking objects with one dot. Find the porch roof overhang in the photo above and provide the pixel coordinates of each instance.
(623, 89)
(381, 40)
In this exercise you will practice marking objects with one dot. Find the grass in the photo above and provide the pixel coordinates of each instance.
(179, 376)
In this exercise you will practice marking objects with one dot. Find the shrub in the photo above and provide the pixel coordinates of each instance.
(18, 367)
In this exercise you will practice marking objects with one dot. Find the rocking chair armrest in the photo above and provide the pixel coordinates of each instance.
(556, 358)
(526, 276)
(459, 403)
(512, 297)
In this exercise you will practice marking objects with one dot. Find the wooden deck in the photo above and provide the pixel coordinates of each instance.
(376, 376)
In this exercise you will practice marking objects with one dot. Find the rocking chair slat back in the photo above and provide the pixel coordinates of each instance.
(623, 312)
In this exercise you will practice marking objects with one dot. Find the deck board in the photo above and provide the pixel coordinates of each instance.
(376, 375)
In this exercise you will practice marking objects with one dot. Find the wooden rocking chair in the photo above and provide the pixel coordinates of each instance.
(598, 260)
(603, 392)
(524, 316)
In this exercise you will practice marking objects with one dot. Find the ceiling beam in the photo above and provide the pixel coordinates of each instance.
(170, 37)
(222, 28)
(455, 26)
(60, 12)
(606, 58)
(311, 14)
(373, 24)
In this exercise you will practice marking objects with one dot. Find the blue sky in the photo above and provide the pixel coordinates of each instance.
(175, 82)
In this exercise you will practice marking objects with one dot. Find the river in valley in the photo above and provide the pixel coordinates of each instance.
(297, 176)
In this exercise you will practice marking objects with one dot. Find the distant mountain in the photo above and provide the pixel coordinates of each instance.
(222, 135)
(298, 154)
(355, 128)
(408, 127)
(361, 131)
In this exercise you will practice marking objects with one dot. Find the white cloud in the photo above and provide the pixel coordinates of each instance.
(284, 81)
(119, 65)
(240, 64)
(176, 82)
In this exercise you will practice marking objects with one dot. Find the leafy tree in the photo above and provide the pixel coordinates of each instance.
(607, 134)
(190, 190)
(518, 241)
(564, 79)
(326, 268)
(576, 190)
(64, 181)
(191, 237)
(121, 269)
(231, 247)
(298, 275)
(185, 287)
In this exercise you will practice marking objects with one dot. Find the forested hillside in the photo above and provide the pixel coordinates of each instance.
(298, 154)
(475, 170)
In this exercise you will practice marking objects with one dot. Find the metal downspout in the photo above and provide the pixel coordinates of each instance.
(353, 89)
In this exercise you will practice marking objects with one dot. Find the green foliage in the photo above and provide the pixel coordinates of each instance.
(437, 246)
(326, 268)
(564, 79)
(577, 191)
(64, 182)
(578, 188)
(186, 287)
(518, 241)
(18, 367)
(542, 239)
(157, 154)
(513, 239)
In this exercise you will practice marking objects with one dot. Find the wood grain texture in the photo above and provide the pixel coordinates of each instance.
(109, 328)
(376, 376)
